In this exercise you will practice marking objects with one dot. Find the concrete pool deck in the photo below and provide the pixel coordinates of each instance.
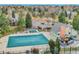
(4, 41)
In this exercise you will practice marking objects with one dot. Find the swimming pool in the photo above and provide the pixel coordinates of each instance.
(27, 40)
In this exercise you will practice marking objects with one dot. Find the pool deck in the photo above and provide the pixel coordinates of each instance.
(4, 41)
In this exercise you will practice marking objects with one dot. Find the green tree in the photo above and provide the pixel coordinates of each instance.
(21, 24)
(0, 32)
(52, 46)
(75, 22)
(30, 9)
(4, 10)
(58, 46)
(28, 21)
(4, 25)
(53, 15)
(62, 17)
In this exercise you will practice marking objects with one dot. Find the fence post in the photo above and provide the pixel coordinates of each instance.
(75, 50)
(64, 50)
(70, 49)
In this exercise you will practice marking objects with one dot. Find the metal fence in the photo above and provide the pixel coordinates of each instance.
(70, 50)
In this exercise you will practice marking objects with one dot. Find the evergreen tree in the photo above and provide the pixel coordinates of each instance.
(75, 22)
(58, 45)
(62, 17)
(28, 21)
(52, 46)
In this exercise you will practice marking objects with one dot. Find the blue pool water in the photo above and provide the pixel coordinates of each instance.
(28, 40)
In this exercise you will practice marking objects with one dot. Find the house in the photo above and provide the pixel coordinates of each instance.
(62, 31)
(42, 23)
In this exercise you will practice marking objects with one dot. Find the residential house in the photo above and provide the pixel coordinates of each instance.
(60, 30)
(42, 23)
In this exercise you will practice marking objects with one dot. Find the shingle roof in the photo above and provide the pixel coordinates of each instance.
(56, 27)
